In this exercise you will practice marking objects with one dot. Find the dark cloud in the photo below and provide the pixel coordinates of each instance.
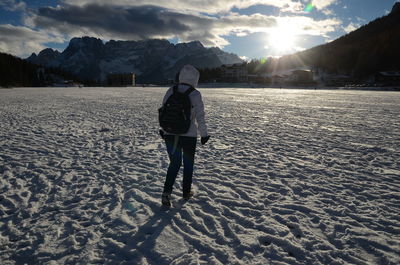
(143, 22)
(136, 22)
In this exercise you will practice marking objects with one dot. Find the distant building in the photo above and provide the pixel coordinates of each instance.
(301, 77)
(277, 80)
(292, 77)
(336, 80)
(260, 79)
(234, 72)
(121, 79)
(390, 78)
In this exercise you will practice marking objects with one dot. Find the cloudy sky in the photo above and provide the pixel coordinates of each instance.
(249, 28)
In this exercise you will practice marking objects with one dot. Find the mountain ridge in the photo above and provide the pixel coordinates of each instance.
(153, 60)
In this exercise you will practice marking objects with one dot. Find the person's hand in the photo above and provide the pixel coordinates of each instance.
(162, 134)
(204, 140)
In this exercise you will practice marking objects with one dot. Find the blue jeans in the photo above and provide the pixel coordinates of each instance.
(179, 147)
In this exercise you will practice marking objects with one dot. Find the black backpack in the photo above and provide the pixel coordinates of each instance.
(174, 115)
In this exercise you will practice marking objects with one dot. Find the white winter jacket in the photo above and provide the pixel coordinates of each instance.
(189, 75)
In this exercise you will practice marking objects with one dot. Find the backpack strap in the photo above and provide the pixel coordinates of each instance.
(187, 92)
(175, 88)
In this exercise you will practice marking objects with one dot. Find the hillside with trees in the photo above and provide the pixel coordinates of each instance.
(371, 48)
(360, 54)
(17, 72)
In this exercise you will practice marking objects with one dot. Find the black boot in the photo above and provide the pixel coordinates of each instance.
(166, 199)
(188, 195)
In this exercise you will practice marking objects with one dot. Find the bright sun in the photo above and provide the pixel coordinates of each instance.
(282, 39)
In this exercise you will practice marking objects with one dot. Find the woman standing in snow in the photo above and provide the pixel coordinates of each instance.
(184, 145)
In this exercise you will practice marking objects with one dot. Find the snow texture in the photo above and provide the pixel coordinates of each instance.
(288, 177)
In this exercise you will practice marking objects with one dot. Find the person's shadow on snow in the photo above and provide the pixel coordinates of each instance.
(142, 244)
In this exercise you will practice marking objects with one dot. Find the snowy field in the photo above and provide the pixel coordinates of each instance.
(288, 177)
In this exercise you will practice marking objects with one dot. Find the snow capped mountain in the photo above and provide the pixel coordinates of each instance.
(226, 58)
(151, 60)
(44, 57)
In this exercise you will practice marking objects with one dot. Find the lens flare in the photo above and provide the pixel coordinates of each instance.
(309, 7)
(263, 60)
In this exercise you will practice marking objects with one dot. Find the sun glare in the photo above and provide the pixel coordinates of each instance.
(282, 39)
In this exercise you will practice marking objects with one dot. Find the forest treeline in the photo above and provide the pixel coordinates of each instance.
(17, 72)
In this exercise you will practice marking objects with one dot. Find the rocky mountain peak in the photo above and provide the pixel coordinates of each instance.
(190, 45)
(89, 42)
(49, 52)
(44, 57)
(32, 57)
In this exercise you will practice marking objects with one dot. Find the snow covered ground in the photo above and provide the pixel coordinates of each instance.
(288, 177)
